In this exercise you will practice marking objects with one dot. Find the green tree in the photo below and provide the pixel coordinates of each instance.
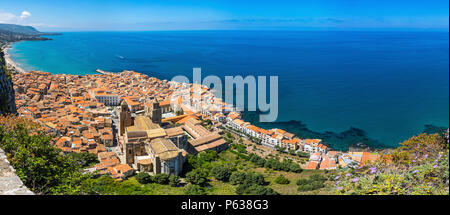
(229, 136)
(197, 177)
(104, 185)
(260, 190)
(254, 178)
(294, 167)
(237, 178)
(41, 167)
(221, 172)
(84, 159)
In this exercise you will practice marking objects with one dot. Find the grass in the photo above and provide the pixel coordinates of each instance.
(221, 188)
(153, 188)
(291, 188)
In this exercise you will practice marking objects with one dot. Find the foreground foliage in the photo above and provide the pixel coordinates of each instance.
(419, 167)
(43, 168)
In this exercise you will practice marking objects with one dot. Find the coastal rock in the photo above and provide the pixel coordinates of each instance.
(7, 99)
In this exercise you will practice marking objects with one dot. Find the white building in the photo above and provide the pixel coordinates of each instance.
(106, 97)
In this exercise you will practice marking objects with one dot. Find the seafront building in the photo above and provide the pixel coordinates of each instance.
(138, 123)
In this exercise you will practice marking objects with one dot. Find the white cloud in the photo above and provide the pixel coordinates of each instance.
(10, 18)
(7, 17)
(25, 14)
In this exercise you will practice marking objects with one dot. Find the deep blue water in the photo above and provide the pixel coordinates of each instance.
(389, 84)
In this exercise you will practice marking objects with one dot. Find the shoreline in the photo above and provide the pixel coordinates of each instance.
(10, 64)
(19, 69)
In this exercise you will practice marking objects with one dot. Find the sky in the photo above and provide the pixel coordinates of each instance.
(141, 15)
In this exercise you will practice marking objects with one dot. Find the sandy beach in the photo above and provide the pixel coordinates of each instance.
(10, 63)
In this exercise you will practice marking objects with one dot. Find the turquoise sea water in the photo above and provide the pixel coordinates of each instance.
(388, 84)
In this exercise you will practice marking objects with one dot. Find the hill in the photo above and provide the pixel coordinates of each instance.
(19, 29)
(14, 33)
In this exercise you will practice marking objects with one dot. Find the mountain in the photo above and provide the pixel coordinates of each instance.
(13, 33)
(19, 29)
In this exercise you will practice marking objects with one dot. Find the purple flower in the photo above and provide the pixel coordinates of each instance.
(348, 174)
(413, 161)
(425, 156)
(355, 180)
(339, 188)
(373, 170)
(415, 171)
(337, 182)
(434, 167)
(337, 177)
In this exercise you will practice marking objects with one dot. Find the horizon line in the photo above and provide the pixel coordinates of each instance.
(299, 30)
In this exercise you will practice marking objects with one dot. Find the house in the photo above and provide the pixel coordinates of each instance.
(312, 165)
(120, 171)
(253, 131)
(237, 124)
(213, 141)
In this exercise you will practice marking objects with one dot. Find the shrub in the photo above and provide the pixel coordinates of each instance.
(305, 187)
(314, 182)
(241, 189)
(282, 180)
(193, 189)
(317, 185)
(143, 178)
(419, 167)
(161, 178)
(254, 190)
(302, 181)
(317, 177)
(303, 154)
(174, 181)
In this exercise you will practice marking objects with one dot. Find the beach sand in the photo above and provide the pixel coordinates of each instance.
(11, 65)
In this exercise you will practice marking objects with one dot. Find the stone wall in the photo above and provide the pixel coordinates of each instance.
(7, 100)
(10, 183)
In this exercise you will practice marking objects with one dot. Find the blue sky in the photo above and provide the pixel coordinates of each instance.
(92, 15)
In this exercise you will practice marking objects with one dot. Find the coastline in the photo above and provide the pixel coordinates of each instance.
(11, 65)
(310, 129)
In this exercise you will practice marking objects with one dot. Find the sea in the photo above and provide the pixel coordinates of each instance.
(346, 87)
